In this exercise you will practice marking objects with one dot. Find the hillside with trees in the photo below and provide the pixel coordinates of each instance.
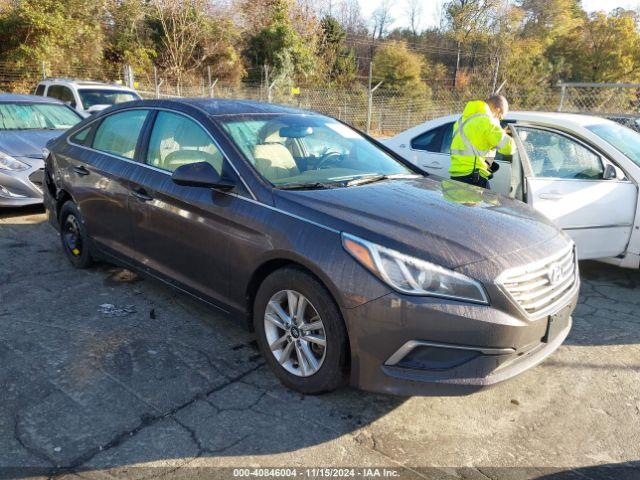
(530, 45)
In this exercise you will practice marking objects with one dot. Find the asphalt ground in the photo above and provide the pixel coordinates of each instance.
(107, 375)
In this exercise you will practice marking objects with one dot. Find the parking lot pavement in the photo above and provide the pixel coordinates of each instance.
(105, 374)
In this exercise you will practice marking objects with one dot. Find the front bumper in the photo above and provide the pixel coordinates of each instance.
(22, 188)
(427, 346)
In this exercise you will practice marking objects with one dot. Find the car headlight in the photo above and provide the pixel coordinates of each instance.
(411, 275)
(7, 162)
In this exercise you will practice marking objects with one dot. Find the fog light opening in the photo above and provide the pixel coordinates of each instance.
(436, 358)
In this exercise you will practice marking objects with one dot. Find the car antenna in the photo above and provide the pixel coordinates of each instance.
(500, 87)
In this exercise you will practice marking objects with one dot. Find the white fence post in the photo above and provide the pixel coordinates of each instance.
(563, 92)
(370, 99)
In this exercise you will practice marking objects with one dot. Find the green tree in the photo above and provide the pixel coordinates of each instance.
(545, 20)
(339, 60)
(606, 48)
(64, 34)
(279, 46)
(399, 69)
(128, 35)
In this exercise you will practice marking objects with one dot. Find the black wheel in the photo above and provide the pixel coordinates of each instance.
(301, 332)
(75, 241)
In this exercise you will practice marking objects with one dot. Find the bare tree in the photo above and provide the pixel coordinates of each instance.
(182, 32)
(414, 11)
(466, 18)
(349, 14)
(381, 19)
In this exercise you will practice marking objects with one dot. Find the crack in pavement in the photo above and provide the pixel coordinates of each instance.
(352, 435)
(32, 450)
(145, 421)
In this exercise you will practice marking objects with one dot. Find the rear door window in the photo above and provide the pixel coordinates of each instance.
(40, 90)
(118, 133)
(447, 136)
(429, 141)
(437, 140)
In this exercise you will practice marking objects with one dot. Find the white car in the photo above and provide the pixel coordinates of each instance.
(85, 97)
(581, 171)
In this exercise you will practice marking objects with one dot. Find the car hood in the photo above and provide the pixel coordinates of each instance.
(445, 222)
(26, 143)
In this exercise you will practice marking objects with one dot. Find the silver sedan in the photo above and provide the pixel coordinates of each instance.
(27, 123)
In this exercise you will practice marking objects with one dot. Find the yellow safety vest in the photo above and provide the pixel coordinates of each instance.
(475, 134)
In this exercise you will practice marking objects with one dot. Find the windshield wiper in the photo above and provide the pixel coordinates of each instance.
(367, 179)
(305, 186)
(377, 178)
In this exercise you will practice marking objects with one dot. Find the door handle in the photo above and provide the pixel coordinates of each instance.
(81, 170)
(551, 196)
(433, 165)
(142, 195)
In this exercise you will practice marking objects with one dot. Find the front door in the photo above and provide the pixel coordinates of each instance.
(183, 233)
(565, 180)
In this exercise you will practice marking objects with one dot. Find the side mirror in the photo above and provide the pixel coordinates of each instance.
(200, 174)
(609, 172)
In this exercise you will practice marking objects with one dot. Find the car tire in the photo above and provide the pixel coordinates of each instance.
(332, 360)
(73, 235)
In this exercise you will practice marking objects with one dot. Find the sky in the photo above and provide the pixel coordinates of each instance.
(432, 8)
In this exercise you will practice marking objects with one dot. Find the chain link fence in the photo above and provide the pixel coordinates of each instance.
(386, 111)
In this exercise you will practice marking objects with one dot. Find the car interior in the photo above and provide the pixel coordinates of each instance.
(556, 156)
(176, 141)
(290, 151)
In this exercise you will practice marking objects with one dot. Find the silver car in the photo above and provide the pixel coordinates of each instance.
(27, 123)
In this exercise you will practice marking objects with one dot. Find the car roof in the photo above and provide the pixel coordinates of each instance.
(83, 83)
(217, 106)
(572, 118)
(14, 97)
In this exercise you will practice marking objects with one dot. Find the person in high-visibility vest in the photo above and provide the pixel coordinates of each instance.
(475, 134)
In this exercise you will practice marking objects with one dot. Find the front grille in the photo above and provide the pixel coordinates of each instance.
(37, 178)
(540, 287)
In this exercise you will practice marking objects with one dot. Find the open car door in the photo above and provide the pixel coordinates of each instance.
(581, 191)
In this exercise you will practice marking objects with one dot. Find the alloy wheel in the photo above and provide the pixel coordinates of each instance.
(295, 333)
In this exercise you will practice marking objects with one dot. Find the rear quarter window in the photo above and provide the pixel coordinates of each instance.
(83, 137)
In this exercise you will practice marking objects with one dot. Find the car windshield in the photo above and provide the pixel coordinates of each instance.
(36, 116)
(620, 137)
(306, 151)
(95, 96)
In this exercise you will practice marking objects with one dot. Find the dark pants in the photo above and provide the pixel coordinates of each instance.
(482, 182)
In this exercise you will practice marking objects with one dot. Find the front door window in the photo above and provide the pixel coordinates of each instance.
(177, 140)
(554, 155)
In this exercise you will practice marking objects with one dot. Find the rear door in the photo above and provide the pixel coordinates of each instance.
(565, 180)
(101, 158)
(430, 150)
(183, 233)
